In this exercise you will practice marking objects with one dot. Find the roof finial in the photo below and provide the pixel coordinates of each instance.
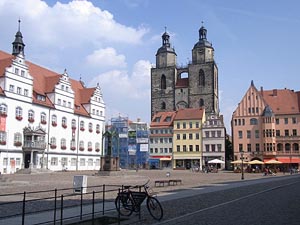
(19, 27)
(165, 28)
(202, 23)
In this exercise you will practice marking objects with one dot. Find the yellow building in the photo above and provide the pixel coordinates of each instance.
(187, 138)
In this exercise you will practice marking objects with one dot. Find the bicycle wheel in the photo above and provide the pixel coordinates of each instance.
(124, 205)
(154, 208)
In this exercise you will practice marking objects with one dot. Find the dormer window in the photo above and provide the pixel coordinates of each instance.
(41, 98)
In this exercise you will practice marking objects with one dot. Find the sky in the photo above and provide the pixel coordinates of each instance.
(114, 42)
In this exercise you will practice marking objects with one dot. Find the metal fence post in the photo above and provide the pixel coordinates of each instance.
(61, 209)
(103, 200)
(23, 209)
(81, 203)
(55, 201)
(93, 209)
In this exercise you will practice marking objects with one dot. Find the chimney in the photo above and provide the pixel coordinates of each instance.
(274, 92)
(262, 91)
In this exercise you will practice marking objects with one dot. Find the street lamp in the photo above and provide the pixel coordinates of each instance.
(242, 158)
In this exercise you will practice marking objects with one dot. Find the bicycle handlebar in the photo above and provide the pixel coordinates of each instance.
(137, 186)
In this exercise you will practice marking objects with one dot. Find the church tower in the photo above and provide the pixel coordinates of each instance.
(18, 45)
(192, 86)
(203, 76)
(163, 78)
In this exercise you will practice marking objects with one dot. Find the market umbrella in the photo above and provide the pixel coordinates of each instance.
(256, 162)
(238, 162)
(216, 161)
(273, 161)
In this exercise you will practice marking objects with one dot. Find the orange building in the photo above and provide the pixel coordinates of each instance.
(266, 125)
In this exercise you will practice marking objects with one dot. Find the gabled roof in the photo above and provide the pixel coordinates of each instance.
(190, 114)
(282, 101)
(163, 119)
(44, 81)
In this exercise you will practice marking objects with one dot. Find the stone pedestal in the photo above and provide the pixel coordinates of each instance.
(109, 163)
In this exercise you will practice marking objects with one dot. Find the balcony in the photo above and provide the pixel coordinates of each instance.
(34, 145)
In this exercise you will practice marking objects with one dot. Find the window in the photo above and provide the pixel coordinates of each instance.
(184, 136)
(201, 78)
(294, 132)
(277, 121)
(90, 162)
(178, 125)
(219, 146)
(294, 120)
(72, 145)
(163, 84)
(207, 148)
(191, 148)
(63, 143)
(277, 133)
(97, 163)
(197, 136)
(73, 124)
(2, 137)
(59, 102)
(17, 71)
(54, 120)
(213, 148)
(90, 146)
(90, 127)
(178, 148)
(248, 147)
(184, 148)
(64, 161)
(25, 92)
(190, 136)
(11, 88)
(19, 112)
(82, 162)
(81, 125)
(98, 128)
(249, 134)
(257, 148)
(64, 103)
(73, 161)
(161, 140)
(31, 116)
(43, 118)
(191, 125)
(253, 121)
(184, 125)
(163, 105)
(81, 145)
(240, 147)
(286, 132)
(201, 102)
(178, 136)
(197, 148)
(213, 133)
(197, 124)
(54, 161)
(286, 120)
(19, 90)
(256, 133)
(207, 134)
(64, 122)
(240, 134)
(22, 73)
(3, 110)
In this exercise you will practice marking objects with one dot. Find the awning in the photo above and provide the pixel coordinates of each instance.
(165, 159)
(288, 160)
(153, 160)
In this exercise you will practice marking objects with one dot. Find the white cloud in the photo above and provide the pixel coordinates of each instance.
(71, 24)
(117, 83)
(106, 57)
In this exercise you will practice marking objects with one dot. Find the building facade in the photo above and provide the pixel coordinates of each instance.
(161, 140)
(191, 86)
(213, 136)
(47, 120)
(187, 138)
(266, 125)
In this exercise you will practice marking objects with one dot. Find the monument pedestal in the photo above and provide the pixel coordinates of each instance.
(109, 165)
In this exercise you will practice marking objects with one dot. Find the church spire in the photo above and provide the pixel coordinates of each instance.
(18, 45)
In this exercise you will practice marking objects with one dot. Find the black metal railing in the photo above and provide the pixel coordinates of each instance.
(58, 205)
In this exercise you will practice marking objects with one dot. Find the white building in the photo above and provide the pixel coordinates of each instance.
(47, 120)
(213, 133)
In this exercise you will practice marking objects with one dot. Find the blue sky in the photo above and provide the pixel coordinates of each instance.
(114, 42)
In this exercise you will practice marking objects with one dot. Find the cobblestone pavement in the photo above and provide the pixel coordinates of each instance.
(18, 183)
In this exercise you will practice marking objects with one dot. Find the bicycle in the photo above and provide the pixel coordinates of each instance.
(129, 201)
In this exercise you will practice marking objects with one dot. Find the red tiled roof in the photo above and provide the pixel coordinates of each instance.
(44, 81)
(190, 114)
(182, 82)
(159, 119)
(282, 101)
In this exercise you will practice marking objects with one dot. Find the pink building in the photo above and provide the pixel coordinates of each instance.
(266, 125)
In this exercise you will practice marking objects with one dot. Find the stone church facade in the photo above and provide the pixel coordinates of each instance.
(191, 86)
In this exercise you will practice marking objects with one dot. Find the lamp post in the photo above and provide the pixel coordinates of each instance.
(242, 158)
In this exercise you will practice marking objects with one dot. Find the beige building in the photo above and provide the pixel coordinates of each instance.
(265, 125)
(187, 138)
